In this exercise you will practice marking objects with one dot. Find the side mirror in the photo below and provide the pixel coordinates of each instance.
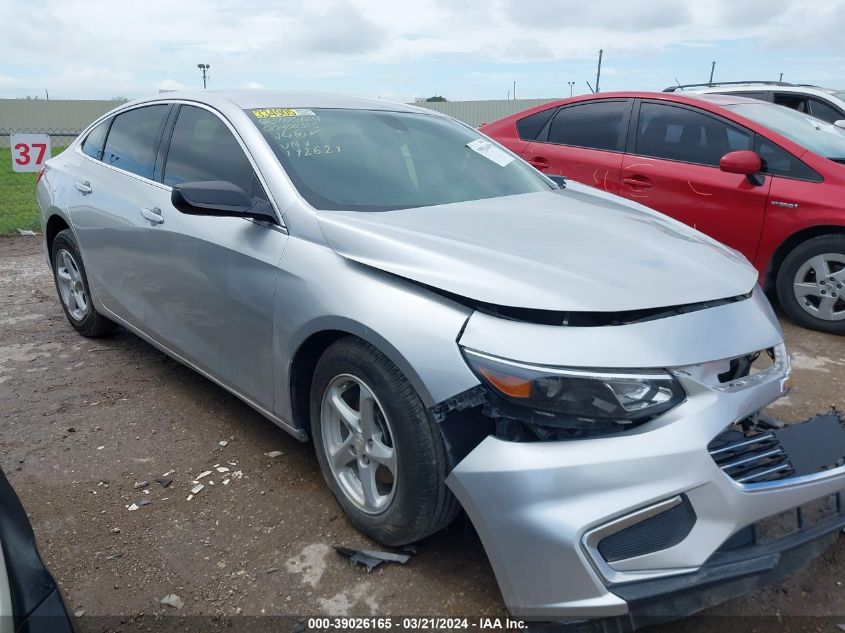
(743, 162)
(840, 123)
(217, 198)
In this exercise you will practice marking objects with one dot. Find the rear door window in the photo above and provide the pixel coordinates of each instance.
(134, 138)
(203, 148)
(825, 112)
(685, 135)
(794, 101)
(595, 125)
(93, 144)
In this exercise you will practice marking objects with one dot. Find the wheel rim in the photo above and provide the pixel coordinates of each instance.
(819, 286)
(71, 287)
(358, 444)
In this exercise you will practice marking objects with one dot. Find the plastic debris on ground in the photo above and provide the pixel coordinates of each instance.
(27, 233)
(273, 454)
(371, 559)
(172, 600)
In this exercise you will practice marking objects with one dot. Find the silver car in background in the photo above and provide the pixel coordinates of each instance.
(583, 376)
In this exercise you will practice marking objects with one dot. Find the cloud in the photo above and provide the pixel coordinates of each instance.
(76, 49)
(170, 84)
(603, 15)
(253, 85)
(342, 28)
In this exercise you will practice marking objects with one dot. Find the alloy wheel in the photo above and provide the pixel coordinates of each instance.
(71, 287)
(358, 443)
(819, 286)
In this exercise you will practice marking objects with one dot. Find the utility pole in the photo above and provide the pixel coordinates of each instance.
(514, 90)
(598, 72)
(571, 84)
(712, 69)
(509, 95)
(204, 68)
(781, 78)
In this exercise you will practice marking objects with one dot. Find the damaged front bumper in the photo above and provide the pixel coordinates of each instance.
(667, 518)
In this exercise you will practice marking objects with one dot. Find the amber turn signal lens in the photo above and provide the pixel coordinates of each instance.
(512, 386)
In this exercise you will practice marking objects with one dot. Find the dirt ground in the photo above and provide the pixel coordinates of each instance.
(81, 421)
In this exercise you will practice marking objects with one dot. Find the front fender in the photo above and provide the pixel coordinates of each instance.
(319, 291)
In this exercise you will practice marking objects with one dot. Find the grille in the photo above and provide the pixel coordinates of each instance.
(749, 460)
(659, 532)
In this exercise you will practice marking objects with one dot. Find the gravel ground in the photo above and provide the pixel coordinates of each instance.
(83, 420)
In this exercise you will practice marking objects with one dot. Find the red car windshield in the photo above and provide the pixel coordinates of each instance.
(814, 134)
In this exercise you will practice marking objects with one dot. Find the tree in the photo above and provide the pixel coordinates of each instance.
(436, 98)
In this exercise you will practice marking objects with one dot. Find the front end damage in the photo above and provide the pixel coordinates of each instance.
(660, 516)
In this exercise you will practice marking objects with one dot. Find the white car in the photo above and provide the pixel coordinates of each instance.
(826, 104)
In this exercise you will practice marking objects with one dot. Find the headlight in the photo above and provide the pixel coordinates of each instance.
(620, 397)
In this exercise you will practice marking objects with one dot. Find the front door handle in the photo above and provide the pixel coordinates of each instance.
(539, 162)
(153, 215)
(638, 182)
(84, 186)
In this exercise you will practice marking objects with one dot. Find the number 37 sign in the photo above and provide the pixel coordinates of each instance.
(29, 151)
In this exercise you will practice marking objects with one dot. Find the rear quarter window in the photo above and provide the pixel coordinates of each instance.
(529, 127)
(93, 144)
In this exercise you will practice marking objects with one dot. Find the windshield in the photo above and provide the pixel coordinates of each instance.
(370, 160)
(814, 134)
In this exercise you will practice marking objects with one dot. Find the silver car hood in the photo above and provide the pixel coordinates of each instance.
(575, 249)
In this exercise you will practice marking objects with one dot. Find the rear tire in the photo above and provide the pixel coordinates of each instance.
(405, 504)
(72, 288)
(811, 284)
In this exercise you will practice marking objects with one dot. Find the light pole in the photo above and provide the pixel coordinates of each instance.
(571, 84)
(204, 68)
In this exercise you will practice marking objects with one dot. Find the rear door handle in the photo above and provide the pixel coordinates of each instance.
(539, 162)
(640, 182)
(84, 186)
(153, 215)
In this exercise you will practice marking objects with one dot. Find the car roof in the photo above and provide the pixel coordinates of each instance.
(249, 99)
(760, 86)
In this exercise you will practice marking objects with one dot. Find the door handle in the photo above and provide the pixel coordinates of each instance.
(84, 186)
(153, 215)
(641, 182)
(539, 162)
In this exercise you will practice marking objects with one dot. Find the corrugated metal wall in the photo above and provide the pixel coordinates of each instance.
(68, 117)
(57, 116)
(477, 112)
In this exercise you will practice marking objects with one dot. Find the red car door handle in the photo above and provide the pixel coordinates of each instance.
(539, 162)
(641, 182)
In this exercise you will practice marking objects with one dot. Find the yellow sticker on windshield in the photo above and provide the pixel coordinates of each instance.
(270, 113)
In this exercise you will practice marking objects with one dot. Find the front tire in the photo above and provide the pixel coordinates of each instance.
(72, 287)
(811, 284)
(380, 453)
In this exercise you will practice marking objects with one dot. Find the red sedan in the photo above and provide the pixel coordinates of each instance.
(764, 179)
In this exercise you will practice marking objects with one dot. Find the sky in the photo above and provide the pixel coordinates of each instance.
(399, 50)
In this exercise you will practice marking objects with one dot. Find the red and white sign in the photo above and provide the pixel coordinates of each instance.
(29, 151)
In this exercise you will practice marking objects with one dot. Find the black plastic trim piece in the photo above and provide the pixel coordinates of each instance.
(31, 586)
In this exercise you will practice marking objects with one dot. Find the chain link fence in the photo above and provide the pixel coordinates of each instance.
(18, 204)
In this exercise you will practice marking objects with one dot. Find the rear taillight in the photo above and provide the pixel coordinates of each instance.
(40, 174)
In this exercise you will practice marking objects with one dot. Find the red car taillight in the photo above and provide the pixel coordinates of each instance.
(40, 174)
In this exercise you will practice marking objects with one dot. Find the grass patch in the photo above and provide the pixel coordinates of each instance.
(18, 205)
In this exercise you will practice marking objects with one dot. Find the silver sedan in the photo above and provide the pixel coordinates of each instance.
(452, 330)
